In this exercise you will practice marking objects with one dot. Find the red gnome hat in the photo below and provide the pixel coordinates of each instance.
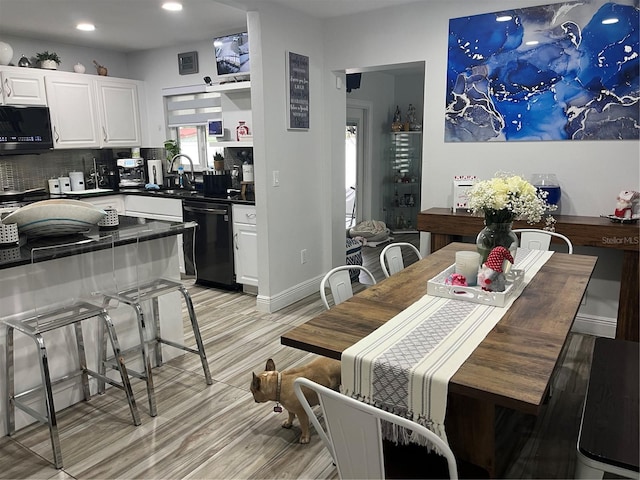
(496, 258)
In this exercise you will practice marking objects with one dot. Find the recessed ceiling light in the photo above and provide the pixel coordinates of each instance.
(504, 18)
(532, 42)
(609, 21)
(86, 27)
(172, 6)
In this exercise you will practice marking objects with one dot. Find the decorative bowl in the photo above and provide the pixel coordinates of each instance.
(49, 218)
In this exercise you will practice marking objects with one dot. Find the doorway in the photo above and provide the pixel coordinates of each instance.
(382, 90)
(356, 139)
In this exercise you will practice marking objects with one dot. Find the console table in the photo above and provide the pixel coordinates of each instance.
(446, 226)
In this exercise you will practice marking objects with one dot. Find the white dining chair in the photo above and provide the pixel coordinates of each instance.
(391, 255)
(535, 239)
(353, 433)
(340, 283)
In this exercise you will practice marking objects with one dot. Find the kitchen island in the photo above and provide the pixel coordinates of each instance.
(137, 250)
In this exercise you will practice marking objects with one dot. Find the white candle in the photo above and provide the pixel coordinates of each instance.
(467, 264)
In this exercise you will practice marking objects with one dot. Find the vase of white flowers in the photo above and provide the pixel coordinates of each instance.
(502, 200)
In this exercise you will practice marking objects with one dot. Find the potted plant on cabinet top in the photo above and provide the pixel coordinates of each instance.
(49, 61)
(218, 161)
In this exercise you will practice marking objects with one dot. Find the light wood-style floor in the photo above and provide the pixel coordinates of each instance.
(219, 432)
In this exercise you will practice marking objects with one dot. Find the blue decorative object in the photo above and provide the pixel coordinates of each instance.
(567, 71)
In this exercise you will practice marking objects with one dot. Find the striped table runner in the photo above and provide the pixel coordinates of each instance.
(405, 365)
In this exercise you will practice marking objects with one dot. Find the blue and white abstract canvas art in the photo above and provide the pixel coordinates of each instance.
(567, 71)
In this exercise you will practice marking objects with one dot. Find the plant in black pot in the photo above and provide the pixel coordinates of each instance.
(48, 60)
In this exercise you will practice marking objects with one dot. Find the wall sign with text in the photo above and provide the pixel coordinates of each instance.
(297, 91)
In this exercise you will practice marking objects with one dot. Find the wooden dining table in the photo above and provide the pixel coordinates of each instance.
(511, 369)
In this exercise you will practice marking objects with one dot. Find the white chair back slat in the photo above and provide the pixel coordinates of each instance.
(339, 282)
(391, 260)
(535, 239)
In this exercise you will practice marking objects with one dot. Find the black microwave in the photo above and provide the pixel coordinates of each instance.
(24, 129)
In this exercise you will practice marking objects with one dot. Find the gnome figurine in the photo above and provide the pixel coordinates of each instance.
(491, 276)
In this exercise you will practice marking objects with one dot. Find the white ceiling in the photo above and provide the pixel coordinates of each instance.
(130, 25)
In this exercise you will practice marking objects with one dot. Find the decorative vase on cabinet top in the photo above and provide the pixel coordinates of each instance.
(79, 68)
(6, 53)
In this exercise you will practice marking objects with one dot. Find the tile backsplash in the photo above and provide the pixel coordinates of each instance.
(23, 172)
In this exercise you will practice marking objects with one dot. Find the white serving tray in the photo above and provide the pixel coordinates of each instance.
(438, 288)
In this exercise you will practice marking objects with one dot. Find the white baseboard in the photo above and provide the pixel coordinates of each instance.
(595, 325)
(284, 299)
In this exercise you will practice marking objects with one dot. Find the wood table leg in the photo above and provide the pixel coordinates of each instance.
(628, 308)
(470, 426)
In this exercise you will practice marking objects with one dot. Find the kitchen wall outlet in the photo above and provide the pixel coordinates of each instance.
(276, 178)
(303, 256)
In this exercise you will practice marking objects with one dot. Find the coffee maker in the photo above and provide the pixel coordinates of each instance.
(131, 172)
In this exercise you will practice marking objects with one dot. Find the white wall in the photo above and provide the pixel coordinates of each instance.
(588, 181)
(296, 214)
(159, 69)
(115, 62)
(590, 173)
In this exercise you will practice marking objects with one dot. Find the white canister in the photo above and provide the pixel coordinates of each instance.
(54, 185)
(247, 172)
(155, 172)
(77, 181)
(467, 264)
(65, 184)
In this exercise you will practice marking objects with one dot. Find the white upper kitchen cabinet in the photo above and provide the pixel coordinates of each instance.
(22, 86)
(88, 111)
(73, 109)
(119, 112)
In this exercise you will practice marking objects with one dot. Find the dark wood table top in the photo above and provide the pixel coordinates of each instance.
(512, 367)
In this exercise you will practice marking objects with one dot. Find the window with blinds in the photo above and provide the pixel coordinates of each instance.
(188, 117)
(193, 109)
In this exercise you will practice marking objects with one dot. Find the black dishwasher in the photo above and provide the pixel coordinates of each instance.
(209, 256)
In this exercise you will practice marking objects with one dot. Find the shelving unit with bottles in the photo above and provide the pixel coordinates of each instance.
(401, 200)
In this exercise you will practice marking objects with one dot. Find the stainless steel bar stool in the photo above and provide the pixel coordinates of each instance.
(135, 296)
(42, 319)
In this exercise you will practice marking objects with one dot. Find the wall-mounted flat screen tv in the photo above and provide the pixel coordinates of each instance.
(232, 56)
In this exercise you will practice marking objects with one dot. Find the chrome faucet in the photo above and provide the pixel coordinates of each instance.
(193, 178)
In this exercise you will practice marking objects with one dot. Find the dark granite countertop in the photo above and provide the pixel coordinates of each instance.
(248, 199)
(130, 230)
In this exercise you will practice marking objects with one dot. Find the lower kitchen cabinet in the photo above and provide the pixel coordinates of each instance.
(245, 244)
(110, 201)
(157, 209)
